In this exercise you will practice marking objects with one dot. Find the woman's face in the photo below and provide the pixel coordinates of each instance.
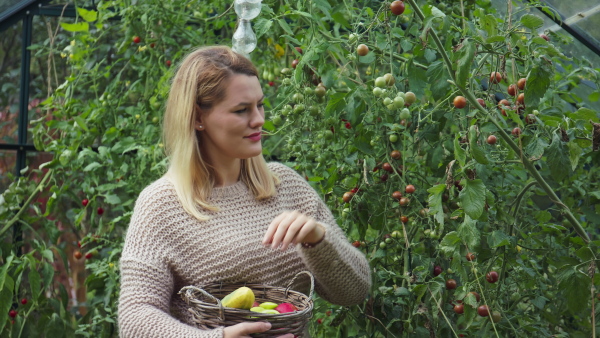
(233, 127)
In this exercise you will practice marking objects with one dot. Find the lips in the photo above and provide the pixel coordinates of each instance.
(254, 137)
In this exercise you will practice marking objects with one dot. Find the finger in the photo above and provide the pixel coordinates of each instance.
(289, 335)
(272, 227)
(248, 328)
(293, 231)
(282, 228)
(309, 227)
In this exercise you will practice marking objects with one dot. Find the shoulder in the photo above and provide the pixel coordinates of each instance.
(159, 192)
(284, 172)
(290, 180)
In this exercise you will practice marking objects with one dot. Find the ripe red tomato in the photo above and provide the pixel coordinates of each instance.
(521, 83)
(410, 189)
(470, 256)
(347, 196)
(459, 309)
(404, 219)
(437, 270)
(354, 190)
(491, 139)
(328, 313)
(404, 201)
(492, 277)
(530, 119)
(512, 90)
(299, 50)
(168, 63)
(320, 320)
(477, 297)
(271, 83)
(495, 77)
(348, 125)
(483, 311)
(152, 45)
(356, 244)
(12, 313)
(397, 195)
(545, 37)
(85, 202)
(387, 167)
(396, 155)
(100, 211)
(77, 254)
(24, 301)
(137, 39)
(362, 50)
(481, 102)
(503, 103)
(397, 7)
(384, 177)
(516, 132)
(89, 255)
(295, 63)
(460, 102)
(450, 284)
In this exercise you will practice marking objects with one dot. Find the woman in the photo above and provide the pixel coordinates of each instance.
(221, 213)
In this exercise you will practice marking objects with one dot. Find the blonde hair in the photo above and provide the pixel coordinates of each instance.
(201, 81)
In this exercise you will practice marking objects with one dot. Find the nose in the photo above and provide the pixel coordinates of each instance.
(257, 119)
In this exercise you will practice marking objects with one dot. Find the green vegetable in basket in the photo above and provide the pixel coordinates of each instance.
(242, 298)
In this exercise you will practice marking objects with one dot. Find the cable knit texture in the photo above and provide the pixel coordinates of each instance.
(167, 249)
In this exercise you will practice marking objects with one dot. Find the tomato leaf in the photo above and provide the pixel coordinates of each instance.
(34, 282)
(459, 153)
(532, 21)
(498, 238)
(438, 78)
(75, 27)
(538, 82)
(472, 198)
(558, 161)
(575, 287)
(468, 232)
(5, 304)
(435, 202)
(585, 114)
(261, 26)
(4, 271)
(89, 16)
(417, 79)
(465, 61)
(450, 243)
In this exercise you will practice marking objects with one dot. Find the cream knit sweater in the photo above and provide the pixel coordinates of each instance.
(166, 249)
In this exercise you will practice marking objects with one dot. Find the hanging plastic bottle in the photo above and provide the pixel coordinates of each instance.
(244, 39)
(247, 9)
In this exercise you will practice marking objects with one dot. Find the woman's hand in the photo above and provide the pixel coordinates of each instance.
(293, 227)
(243, 330)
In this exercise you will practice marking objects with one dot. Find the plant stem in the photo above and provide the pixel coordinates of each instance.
(39, 188)
(528, 164)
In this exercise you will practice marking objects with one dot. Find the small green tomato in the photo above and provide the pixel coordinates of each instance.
(380, 82)
(393, 138)
(377, 92)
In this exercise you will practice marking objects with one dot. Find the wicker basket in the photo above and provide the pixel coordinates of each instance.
(209, 313)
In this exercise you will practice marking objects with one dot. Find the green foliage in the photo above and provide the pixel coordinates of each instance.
(102, 125)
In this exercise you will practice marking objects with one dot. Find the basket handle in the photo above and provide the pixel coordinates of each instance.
(189, 294)
(312, 283)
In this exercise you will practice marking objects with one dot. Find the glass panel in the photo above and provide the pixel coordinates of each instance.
(10, 71)
(591, 25)
(7, 4)
(35, 159)
(571, 7)
(8, 160)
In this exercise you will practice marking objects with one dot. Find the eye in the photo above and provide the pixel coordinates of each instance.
(261, 105)
(241, 111)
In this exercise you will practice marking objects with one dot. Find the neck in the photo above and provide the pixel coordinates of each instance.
(227, 173)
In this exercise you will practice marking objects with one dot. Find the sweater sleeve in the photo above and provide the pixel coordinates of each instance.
(341, 271)
(146, 279)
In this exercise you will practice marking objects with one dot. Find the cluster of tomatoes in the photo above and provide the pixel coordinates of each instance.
(14, 313)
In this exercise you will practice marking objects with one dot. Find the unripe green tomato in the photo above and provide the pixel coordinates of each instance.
(276, 70)
(352, 38)
(277, 120)
(373, 142)
(155, 119)
(299, 108)
(398, 102)
(314, 110)
(536, 112)
(377, 92)
(265, 75)
(474, 270)
(388, 240)
(298, 97)
(387, 101)
(434, 235)
(328, 134)
(382, 245)
(405, 114)
(393, 138)
(286, 81)
(271, 77)
(449, 270)
(391, 107)
(380, 82)
(427, 232)
(285, 71)
(308, 91)
(396, 234)
(402, 95)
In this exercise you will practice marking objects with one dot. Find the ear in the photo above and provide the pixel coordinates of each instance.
(198, 125)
